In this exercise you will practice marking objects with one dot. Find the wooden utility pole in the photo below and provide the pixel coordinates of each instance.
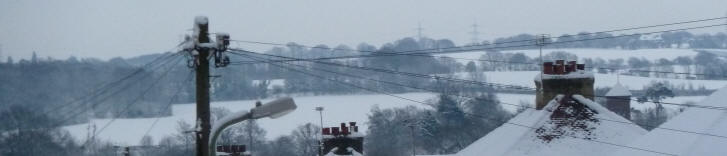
(202, 69)
(201, 48)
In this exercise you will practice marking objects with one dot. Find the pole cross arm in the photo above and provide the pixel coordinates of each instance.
(273, 109)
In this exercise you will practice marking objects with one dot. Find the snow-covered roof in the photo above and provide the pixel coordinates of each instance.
(543, 132)
(618, 90)
(700, 120)
(572, 75)
(353, 152)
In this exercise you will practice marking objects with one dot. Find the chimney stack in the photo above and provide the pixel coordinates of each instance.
(560, 77)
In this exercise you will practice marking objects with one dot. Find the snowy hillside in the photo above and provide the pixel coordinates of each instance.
(525, 78)
(650, 54)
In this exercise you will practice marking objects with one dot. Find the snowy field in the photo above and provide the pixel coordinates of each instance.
(525, 78)
(338, 109)
(343, 108)
(650, 54)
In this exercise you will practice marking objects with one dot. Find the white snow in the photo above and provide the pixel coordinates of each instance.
(525, 78)
(338, 109)
(709, 121)
(353, 152)
(572, 75)
(598, 108)
(618, 90)
(521, 139)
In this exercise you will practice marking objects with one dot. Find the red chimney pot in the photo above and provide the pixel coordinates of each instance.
(336, 131)
(548, 68)
(344, 131)
(326, 131)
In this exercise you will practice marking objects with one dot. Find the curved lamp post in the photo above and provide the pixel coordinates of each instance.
(273, 109)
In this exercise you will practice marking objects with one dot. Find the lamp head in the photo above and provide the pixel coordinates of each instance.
(274, 109)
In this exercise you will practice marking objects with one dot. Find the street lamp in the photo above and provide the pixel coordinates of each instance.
(320, 110)
(273, 109)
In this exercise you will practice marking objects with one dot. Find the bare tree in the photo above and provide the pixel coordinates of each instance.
(306, 139)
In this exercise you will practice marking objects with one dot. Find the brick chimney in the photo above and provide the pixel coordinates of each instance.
(618, 100)
(560, 77)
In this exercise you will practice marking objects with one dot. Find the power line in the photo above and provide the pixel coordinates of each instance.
(636, 70)
(458, 49)
(128, 106)
(69, 118)
(424, 103)
(425, 54)
(104, 88)
(468, 81)
(166, 107)
(464, 96)
(527, 40)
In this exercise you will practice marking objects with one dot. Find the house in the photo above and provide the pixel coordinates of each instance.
(565, 120)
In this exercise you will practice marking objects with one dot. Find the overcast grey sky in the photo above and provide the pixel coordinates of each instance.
(110, 28)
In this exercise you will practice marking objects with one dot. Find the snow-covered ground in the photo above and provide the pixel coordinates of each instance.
(525, 78)
(718, 52)
(343, 108)
(650, 54)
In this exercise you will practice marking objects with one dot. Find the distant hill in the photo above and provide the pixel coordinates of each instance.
(143, 59)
